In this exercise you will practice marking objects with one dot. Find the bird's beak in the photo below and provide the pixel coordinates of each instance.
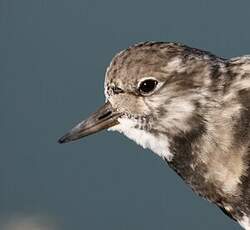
(104, 118)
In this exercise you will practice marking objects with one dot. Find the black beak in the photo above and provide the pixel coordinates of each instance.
(104, 118)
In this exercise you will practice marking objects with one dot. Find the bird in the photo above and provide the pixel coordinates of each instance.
(191, 108)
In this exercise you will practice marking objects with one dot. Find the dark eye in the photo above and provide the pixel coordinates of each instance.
(147, 86)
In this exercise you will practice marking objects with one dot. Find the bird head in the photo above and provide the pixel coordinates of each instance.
(153, 91)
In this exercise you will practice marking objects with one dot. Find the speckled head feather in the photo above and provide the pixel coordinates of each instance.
(192, 109)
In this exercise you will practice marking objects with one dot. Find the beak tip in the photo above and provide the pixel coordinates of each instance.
(63, 140)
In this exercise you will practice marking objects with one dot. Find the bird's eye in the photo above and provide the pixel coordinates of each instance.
(147, 86)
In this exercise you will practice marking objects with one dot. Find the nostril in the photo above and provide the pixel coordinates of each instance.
(117, 90)
(107, 114)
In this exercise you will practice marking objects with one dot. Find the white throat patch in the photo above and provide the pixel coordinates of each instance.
(245, 222)
(158, 144)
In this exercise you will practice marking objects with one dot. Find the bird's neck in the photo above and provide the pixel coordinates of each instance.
(213, 158)
(209, 157)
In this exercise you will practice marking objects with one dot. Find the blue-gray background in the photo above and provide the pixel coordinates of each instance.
(53, 55)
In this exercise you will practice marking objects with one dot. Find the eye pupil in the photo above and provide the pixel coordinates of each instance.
(148, 86)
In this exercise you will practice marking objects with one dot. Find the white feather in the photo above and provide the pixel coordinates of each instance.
(245, 222)
(158, 144)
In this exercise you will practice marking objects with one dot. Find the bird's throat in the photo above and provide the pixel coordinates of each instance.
(159, 144)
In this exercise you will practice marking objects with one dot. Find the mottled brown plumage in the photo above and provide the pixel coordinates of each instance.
(195, 115)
